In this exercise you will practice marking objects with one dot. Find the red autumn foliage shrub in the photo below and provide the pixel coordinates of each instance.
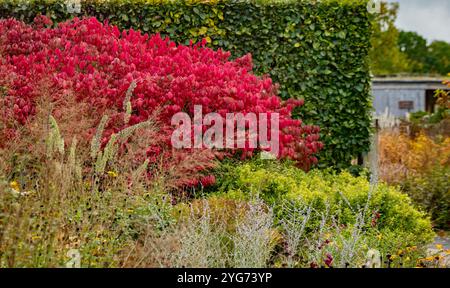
(97, 63)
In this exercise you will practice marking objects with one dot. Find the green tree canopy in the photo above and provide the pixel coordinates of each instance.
(395, 51)
(386, 57)
(415, 47)
(438, 60)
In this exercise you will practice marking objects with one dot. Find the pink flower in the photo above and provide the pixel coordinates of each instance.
(328, 260)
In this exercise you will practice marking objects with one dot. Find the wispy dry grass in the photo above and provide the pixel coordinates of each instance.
(59, 190)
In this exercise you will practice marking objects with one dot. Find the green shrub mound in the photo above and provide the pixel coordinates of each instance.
(316, 50)
(432, 192)
(386, 210)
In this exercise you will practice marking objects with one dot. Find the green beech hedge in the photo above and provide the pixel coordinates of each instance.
(316, 50)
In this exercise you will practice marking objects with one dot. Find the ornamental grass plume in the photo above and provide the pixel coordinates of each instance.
(60, 201)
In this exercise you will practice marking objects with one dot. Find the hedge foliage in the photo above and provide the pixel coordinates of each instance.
(316, 50)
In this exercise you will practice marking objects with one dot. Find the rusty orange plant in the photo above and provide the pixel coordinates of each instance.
(402, 156)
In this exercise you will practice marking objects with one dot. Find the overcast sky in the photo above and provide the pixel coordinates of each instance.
(429, 18)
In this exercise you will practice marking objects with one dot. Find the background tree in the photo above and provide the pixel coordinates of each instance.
(394, 51)
(423, 58)
(438, 60)
(415, 48)
(386, 57)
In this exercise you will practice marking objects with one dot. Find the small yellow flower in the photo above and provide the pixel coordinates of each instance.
(35, 237)
(379, 236)
(410, 249)
(400, 252)
(14, 185)
(439, 246)
(438, 257)
(87, 184)
(112, 174)
(447, 252)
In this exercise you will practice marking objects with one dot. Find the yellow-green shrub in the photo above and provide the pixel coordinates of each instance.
(432, 192)
(341, 193)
